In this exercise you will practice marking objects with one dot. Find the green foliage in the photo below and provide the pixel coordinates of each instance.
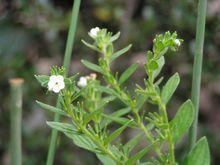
(127, 73)
(199, 155)
(169, 88)
(91, 128)
(182, 120)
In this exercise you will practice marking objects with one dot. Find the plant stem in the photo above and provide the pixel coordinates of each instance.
(15, 118)
(197, 68)
(66, 63)
(128, 100)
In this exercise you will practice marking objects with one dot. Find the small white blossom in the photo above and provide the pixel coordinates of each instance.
(82, 82)
(177, 42)
(94, 32)
(56, 83)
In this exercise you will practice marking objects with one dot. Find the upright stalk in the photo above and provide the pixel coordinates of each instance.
(66, 63)
(197, 67)
(15, 119)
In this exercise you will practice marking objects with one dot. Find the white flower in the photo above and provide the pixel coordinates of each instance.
(82, 82)
(177, 42)
(93, 32)
(56, 83)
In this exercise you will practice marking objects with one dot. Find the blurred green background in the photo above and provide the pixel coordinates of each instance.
(33, 36)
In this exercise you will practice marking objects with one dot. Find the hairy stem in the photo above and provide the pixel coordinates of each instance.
(126, 99)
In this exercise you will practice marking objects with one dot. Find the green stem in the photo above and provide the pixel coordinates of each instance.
(15, 119)
(66, 63)
(168, 132)
(126, 98)
(197, 68)
(99, 144)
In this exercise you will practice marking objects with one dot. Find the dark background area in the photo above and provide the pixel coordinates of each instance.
(33, 36)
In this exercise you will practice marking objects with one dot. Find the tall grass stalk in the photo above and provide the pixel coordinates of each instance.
(66, 63)
(15, 119)
(197, 67)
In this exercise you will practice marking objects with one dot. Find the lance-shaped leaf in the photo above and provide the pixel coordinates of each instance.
(82, 141)
(70, 131)
(91, 66)
(127, 73)
(115, 37)
(105, 159)
(182, 120)
(169, 88)
(200, 154)
(160, 62)
(93, 47)
(119, 53)
(42, 79)
(117, 113)
(132, 143)
(51, 108)
(117, 132)
(139, 155)
(88, 117)
(63, 127)
(121, 120)
(106, 100)
(107, 90)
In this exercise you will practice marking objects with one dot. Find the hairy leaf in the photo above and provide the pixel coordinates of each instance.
(119, 53)
(132, 143)
(91, 66)
(51, 108)
(127, 73)
(117, 113)
(63, 127)
(90, 46)
(82, 141)
(105, 159)
(115, 37)
(169, 88)
(117, 132)
(139, 155)
(200, 154)
(182, 120)
(42, 79)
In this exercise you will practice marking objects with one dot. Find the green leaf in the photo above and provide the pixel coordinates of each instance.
(132, 143)
(93, 47)
(42, 79)
(119, 53)
(91, 66)
(127, 73)
(200, 154)
(88, 117)
(117, 113)
(63, 127)
(51, 108)
(117, 132)
(153, 65)
(82, 141)
(120, 120)
(182, 120)
(70, 131)
(105, 159)
(141, 99)
(115, 37)
(106, 100)
(160, 62)
(107, 90)
(139, 155)
(169, 88)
